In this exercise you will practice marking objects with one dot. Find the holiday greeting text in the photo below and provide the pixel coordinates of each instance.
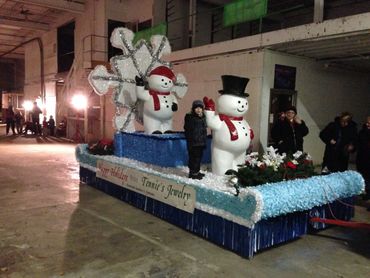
(168, 191)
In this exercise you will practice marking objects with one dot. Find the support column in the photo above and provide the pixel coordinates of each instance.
(318, 15)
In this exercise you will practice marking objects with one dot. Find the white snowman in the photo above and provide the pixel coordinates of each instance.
(231, 134)
(159, 101)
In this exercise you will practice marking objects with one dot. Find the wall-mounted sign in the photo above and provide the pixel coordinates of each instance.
(284, 77)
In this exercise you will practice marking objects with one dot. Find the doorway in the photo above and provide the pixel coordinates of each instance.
(280, 99)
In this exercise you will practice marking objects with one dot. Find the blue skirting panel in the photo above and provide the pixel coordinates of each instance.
(232, 236)
(166, 150)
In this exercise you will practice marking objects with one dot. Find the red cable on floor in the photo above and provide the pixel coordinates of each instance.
(351, 224)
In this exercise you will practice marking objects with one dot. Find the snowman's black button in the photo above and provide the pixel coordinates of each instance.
(168, 106)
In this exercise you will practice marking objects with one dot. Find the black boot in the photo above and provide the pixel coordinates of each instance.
(196, 176)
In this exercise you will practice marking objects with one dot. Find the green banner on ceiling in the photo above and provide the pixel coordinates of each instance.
(159, 29)
(244, 10)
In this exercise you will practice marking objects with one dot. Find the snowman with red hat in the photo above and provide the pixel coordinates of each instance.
(232, 134)
(159, 99)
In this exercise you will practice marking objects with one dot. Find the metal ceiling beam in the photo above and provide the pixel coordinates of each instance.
(12, 35)
(63, 5)
(8, 43)
(331, 50)
(13, 55)
(17, 24)
(348, 58)
(5, 39)
(344, 41)
(341, 54)
(328, 47)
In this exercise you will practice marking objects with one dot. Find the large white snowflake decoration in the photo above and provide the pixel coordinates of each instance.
(136, 60)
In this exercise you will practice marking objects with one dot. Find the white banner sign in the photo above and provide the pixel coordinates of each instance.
(181, 196)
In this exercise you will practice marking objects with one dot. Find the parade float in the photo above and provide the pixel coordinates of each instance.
(244, 211)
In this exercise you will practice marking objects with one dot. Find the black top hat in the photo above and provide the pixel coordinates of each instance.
(234, 85)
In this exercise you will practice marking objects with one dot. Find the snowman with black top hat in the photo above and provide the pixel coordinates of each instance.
(231, 134)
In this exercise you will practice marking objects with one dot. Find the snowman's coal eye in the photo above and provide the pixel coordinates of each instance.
(162, 79)
(170, 81)
(239, 101)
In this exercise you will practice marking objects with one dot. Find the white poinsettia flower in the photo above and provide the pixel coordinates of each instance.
(268, 162)
(271, 150)
(252, 161)
(297, 154)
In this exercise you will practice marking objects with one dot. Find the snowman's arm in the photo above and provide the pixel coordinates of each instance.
(142, 93)
(251, 132)
(174, 99)
(213, 120)
(175, 106)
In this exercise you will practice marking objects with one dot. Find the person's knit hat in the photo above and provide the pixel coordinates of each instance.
(291, 108)
(164, 71)
(197, 103)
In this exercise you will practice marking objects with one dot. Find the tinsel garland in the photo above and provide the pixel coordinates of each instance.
(261, 202)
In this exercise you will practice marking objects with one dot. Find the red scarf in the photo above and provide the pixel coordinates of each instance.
(232, 129)
(155, 97)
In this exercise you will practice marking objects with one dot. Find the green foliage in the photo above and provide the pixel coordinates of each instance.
(261, 170)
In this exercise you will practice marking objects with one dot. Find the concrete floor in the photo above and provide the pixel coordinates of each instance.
(53, 226)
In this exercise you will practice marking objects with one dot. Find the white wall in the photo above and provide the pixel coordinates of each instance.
(322, 94)
(129, 10)
(204, 78)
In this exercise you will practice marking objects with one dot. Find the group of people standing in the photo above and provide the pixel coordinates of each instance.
(16, 121)
(340, 138)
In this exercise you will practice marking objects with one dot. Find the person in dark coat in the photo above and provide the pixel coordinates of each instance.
(19, 120)
(363, 154)
(340, 139)
(10, 123)
(36, 111)
(196, 138)
(51, 125)
(288, 132)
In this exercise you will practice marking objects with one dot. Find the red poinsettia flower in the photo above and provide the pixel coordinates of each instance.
(106, 141)
(291, 165)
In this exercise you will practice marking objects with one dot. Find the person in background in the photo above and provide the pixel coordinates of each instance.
(363, 155)
(35, 113)
(340, 139)
(19, 120)
(10, 119)
(196, 138)
(288, 132)
(62, 128)
(51, 126)
(45, 127)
